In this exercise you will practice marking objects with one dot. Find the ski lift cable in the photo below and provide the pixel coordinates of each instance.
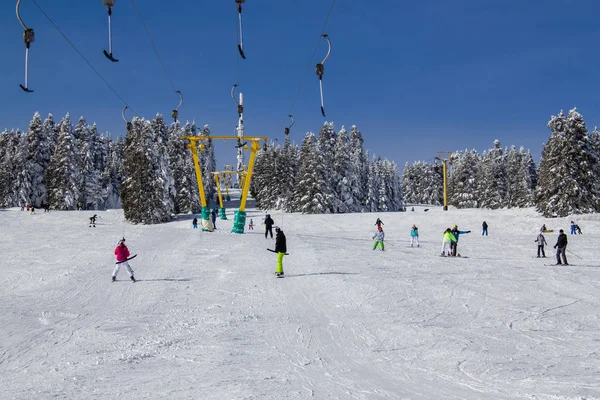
(312, 57)
(160, 60)
(83, 57)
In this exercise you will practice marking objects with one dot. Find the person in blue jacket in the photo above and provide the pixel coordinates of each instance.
(457, 234)
(414, 236)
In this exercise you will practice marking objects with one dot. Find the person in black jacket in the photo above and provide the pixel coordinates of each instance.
(280, 249)
(269, 225)
(561, 248)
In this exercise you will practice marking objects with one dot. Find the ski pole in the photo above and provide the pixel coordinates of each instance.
(574, 254)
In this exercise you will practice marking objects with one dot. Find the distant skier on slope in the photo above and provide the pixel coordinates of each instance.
(414, 236)
(269, 225)
(561, 248)
(280, 249)
(447, 243)
(251, 225)
(379, 223)
(457, 234)
(93, 220)
(195, 223)
(541, 242)
(379, 236)
(122, 253)
(484, 229)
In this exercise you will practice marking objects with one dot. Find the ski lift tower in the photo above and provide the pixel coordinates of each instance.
(240, 135)
(444, 160)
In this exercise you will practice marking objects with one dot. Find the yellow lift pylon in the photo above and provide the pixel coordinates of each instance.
(240, 216)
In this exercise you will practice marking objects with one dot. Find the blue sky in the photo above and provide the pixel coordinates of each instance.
(415, 77)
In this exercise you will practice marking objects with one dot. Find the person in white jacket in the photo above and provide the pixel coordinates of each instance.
(379, 235)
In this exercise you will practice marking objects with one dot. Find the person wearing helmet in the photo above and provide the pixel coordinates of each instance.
(379, 236)
(122, 254)
(456, 234)
(280, 249)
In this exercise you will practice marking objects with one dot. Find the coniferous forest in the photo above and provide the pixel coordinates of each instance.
(150, 172)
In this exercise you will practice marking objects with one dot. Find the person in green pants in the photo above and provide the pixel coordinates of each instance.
(379, 238)
(280, 249)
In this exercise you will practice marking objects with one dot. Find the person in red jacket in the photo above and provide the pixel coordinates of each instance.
(122, 254)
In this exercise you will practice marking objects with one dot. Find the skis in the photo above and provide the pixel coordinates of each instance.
(273, 251)
(133, 256)
(278, 275)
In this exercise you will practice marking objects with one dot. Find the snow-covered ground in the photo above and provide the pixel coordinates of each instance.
(208, 320)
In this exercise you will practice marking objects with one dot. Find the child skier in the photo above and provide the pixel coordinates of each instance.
(447, 243)
(195, 223)
(280, 249)
(414, 236)
(93, 220)
(379, 236)
(379, 223)
(541, 242)
(122, 253)
(251, 225)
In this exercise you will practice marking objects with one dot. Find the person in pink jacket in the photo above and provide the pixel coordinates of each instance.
(122, 254)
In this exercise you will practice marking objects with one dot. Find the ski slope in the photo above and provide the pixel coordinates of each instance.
(208, 320)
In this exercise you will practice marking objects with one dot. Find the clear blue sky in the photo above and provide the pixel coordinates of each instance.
(415, 77)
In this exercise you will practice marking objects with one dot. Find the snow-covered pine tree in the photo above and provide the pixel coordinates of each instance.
(10, 166)
(326, 147)
(111, 175)
(373, 185)
(38, 159)
(51, 131)
(567, 184)
(177, 148)
(360, 170)
(462, 180)
(492, 178)
(64, 174)
(289, 171)
(343, 174)
(309, 197)
(517, 193)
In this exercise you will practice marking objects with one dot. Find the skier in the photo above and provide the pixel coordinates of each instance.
(414, 236)
(561, 248)
(280, 249)
(22, 207)
(541, 242)
(457, 234)
(543, 228)
(379, 236)
(379, 223)
(573, 228)
(93, 221)
(32, 210)
(447, 242)
(122, 253)
(251, 225)
(213, 215)
(195, 223)
(484, 227)
(269, 225)
(578, 229)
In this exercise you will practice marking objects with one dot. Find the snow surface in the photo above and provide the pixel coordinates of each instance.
(208, 320)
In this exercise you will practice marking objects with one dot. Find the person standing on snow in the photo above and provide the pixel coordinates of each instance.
(541, 242)
(414, 236)
(280, 249)
(379, 236)
(447, 243)
(251, 225)
(122, 253)
(213, 215)
(457, 234)
(379, 223)
(484, 227)
(269, 225)
(561, 248)
(573, 228)
(195, 223)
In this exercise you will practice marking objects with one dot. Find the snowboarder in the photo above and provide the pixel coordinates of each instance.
(573, 228)
(379, 236)
(414, 236)
(213, 215)
(447, 243)
(457, 234)
(251, 225)
(541, 242)
(561, 248)
(379, 223)
(195, 223)
(484, 228)
(93, 221)
(269, 225)
(122, 253)
(280, 249)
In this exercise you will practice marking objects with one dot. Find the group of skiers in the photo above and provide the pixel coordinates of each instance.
(560, 246)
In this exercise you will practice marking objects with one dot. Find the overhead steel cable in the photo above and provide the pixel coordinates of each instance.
(312, 57)
(160, 60)
(83, 57)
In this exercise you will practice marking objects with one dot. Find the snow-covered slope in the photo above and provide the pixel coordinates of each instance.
(208, 320)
